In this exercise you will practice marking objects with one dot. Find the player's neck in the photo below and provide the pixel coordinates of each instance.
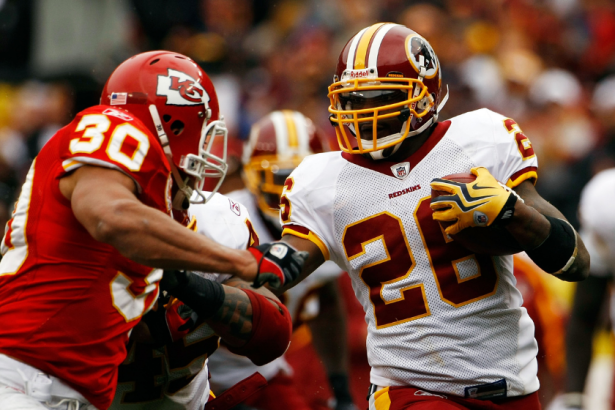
(408, 147)
(411, 145)
(231, 183)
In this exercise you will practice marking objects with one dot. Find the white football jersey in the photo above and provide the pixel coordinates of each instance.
(301, 301)
(439, 317)
(182, 382)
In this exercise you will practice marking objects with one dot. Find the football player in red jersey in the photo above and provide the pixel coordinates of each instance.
(92, 230)
(446, 326)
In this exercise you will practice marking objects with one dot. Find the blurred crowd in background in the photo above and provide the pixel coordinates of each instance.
(549, 64)
(545, 63)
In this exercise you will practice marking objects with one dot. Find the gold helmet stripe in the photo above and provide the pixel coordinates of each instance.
(303, 125)
(361, 57)
(353, 49)
(293, 140)
(281, 132)
(375, 48)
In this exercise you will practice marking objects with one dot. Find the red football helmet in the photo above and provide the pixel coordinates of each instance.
(278, 143)
(386, 88)
(177, 101)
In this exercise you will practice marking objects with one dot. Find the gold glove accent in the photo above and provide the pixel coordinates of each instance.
(482, 202)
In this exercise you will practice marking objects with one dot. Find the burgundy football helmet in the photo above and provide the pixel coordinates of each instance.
(278, 143)
(177, 101)
(386, 88)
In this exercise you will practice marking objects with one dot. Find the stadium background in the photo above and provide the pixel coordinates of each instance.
(545, 63)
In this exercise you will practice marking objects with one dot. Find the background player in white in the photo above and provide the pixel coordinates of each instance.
(446, 328)
(173, 372)
(93, 224)
(277, 144)
(598, 232)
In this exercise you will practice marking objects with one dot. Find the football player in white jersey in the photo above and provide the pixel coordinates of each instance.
(446, 329)
(171, 372)
(277, 144)
(598, 231)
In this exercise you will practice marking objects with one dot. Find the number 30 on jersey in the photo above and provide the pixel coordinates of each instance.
(127, 145)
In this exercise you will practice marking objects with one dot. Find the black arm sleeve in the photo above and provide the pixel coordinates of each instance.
(202, 295)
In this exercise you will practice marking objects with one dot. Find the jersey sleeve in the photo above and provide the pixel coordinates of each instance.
(225, 221)
(306, 205)
(110, 138)
(517, 159)
(498, 143)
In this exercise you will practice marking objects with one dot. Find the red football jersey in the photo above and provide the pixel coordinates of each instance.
(69, 301)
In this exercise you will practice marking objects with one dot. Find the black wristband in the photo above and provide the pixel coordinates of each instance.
(202, 295)
(339, 385)
(558, 251)
(507, 212)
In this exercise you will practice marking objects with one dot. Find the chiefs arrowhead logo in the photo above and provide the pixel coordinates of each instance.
(180, 89)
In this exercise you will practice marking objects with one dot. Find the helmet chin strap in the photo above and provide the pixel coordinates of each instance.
(180, 202)
(380, 154)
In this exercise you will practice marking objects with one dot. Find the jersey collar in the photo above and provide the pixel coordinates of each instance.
(384, 167)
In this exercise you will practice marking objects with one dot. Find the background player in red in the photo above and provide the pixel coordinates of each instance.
(94, 219)
(446, 329)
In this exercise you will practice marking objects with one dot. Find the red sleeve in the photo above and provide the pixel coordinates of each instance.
(271, 330)
(113, 138)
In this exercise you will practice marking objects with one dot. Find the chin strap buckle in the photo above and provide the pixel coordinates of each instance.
(333, 123)
(404, 114)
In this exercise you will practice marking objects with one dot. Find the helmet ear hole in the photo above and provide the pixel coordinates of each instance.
(177, 127)
(166, 118)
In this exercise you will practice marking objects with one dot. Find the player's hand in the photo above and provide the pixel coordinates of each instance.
(278, 264)
(482, 202)
(170, 320)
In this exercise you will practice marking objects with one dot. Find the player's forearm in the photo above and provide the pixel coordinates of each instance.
(535, 227)
(249, 323)
(270, 333)
(313, 262)
(528, 226)
(227, 310)
(148, 236)
(233, 320)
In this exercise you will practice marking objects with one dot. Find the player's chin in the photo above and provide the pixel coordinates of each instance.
(367, 133)
(383, 129)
